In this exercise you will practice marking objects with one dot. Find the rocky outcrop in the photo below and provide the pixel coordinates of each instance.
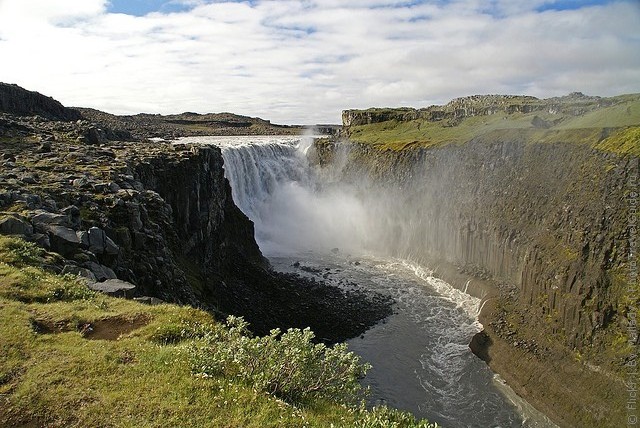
(209, 226)
(19, 101)
(375, 115)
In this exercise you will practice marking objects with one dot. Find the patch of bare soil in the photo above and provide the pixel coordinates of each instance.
(104, 329)
(114, 327)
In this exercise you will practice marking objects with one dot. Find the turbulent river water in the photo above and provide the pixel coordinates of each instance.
(312, 226)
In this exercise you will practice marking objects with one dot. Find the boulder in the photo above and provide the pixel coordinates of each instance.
(113, 287)
(80, 271)
(63, 240)
(101, 272)
(94, 135)
(11, 225)
(73, 215)
(43, 219)
(33, 201)
(480, 344)
(45, 147)
(41, 239)
(100, 243)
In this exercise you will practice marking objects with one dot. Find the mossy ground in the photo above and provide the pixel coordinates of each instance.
(54, 371)
(592, 128)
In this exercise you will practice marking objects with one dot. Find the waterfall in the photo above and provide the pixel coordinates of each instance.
(258, 171)
(293, 211)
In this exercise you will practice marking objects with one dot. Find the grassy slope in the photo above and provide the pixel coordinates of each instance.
(51, 374)
(587, 128)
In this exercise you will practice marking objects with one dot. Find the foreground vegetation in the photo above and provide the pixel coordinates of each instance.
(72, 357)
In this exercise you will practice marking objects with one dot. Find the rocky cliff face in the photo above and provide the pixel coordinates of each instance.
(209, 226)
(16, 100)
(544, 222)
(545, 219)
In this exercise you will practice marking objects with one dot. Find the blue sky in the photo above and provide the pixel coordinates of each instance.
(143, 7)
(303, 61)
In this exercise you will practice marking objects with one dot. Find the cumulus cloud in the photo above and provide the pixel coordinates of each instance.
(302, 61)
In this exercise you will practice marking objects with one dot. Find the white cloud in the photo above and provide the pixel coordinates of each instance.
(302, 61)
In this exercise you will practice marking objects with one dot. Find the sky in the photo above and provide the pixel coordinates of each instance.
(304, 61)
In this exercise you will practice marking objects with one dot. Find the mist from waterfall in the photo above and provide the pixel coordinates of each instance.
(297, 207)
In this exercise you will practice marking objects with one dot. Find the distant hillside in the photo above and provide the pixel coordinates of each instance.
(19, 101)
(187, 124)
(464, 119)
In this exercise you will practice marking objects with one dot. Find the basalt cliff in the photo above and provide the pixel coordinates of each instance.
(532, 205)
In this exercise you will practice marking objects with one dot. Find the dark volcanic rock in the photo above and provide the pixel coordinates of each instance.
(12, 225)
(113, 287)
(480, 344)
(19, 101)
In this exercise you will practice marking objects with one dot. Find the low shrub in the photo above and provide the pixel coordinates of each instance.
(19, 253)
(287, 365)
(175, 332)
(385, 417)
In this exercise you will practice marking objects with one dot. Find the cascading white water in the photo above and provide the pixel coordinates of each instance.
(274, 186)
(307, 224)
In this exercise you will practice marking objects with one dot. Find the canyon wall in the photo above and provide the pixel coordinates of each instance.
(546, 219)
(544, 223)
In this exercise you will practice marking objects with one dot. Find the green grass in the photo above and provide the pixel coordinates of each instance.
(586, 128)
(55, 373)
(621, 115)
(623, 141)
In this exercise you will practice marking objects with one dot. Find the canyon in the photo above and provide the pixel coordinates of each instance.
(521, 202)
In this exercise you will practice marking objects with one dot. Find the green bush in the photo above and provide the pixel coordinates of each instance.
(19, 253)
(175, 332)
(289, 366)
(385, 417)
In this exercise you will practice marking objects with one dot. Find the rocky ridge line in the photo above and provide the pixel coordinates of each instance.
(574, 104)
(19, 101)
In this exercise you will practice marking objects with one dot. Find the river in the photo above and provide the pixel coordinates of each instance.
(313, 226)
